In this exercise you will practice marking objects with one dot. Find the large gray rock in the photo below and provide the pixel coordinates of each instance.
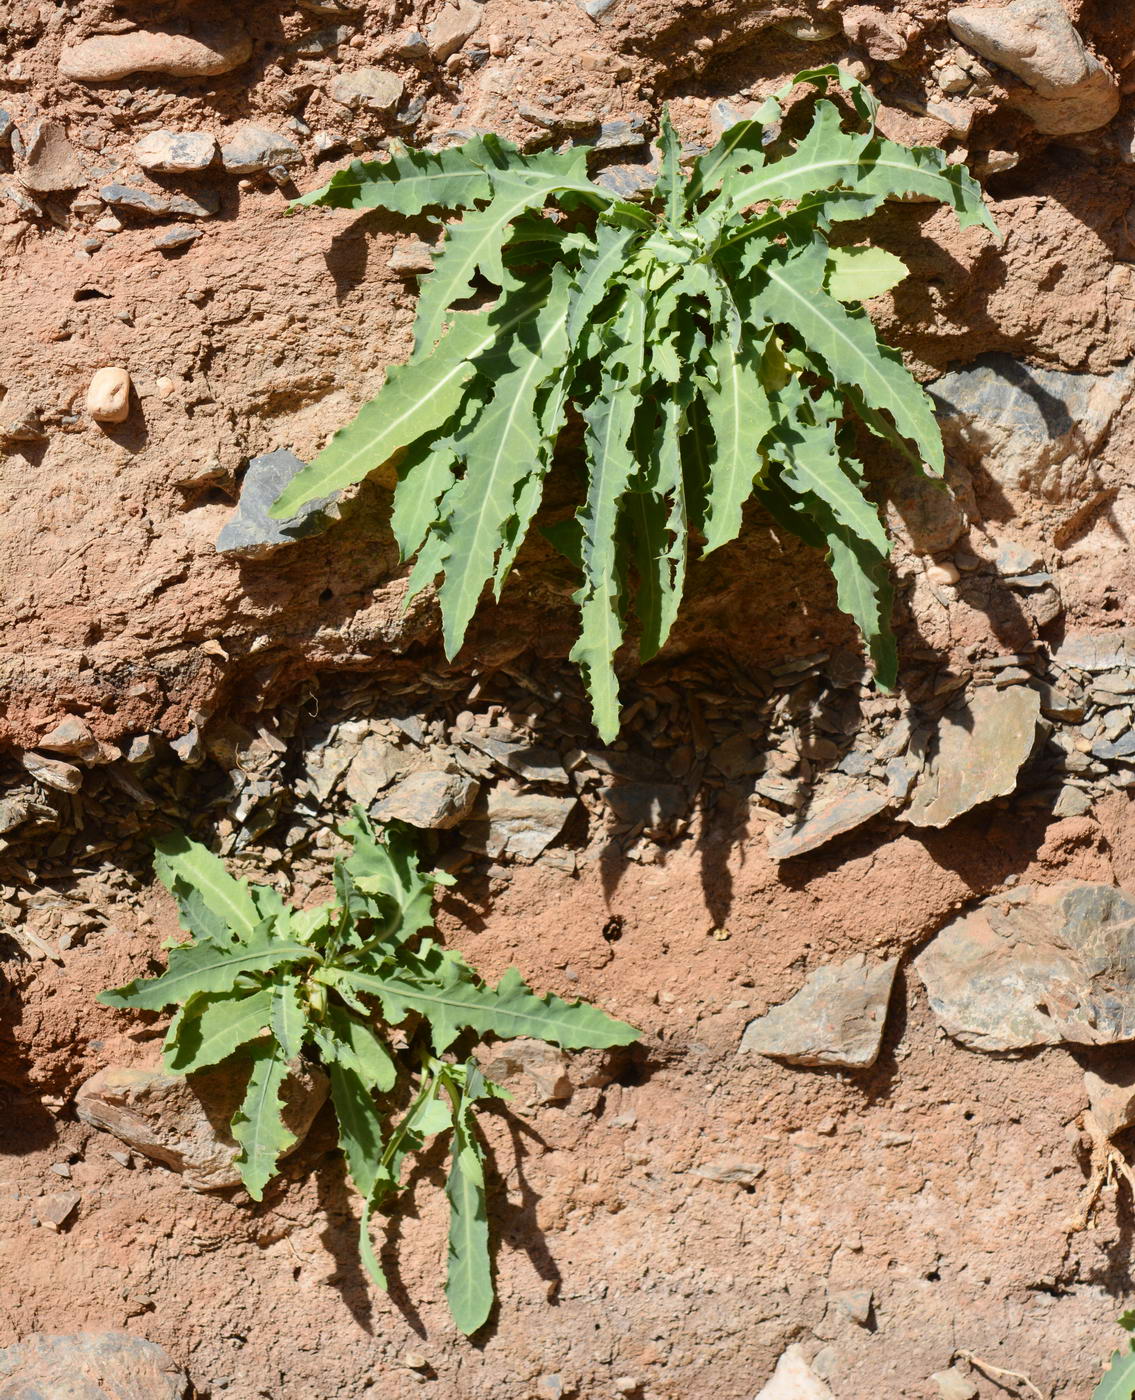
(367, 89)
(89, 1366)
(251, 533)
(981, 744)
(183, 1122)
(836, 1018)
(1071, 91)
(247, 149)
(180, 206)
(1035, 430)
(1042, 965)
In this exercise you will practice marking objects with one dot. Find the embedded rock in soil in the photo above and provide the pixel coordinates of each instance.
(372, 89)
(794, 1379)
(184, 1122)
(836, 1018)
(215, 49)
(518, 825)
(525, 1065)
(1048, 965)
(1096, 651)
(175, 152)
(249, 149)
(89, 1366)
(251, 533)
(50, 163)
(453, 27)
(429, 800)
(982, 743)
(829, 820)
(1035, 430)
(181, 206)
(1034, 39)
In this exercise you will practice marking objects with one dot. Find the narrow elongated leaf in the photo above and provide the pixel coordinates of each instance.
(416, 399)
(609, 418)
(890, 169)
(360, 1047)
(671, 187)
(475, 244)
(498, 451)
(469, 1283)
(855, 274)
(865, 592)
(597, 270)
(205, 967)
(182, 862)
(741, 416)
(360, 1126)
(288, 1015)
(510, 1009)
(425, 474)
(211, 1027)
(257, 1125)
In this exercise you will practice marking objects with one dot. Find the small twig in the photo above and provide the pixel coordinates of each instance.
(996, 1372)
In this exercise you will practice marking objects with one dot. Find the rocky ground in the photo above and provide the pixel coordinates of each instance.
(908, 1181)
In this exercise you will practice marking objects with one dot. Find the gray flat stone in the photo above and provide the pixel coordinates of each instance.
(176, 152)
(251, 533)
(248, 149)
(1042, 965)
(831, 819)
(179, 206)
(1096, 651)
(533, 764)
(430, 800)
(518, 826)
(981, 745)
(836, 1018)
(89, 1366)
(367, 89)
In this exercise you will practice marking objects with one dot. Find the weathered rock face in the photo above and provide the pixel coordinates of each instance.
(1039, 966)
(1071, 91)
(1034, 430)
(982, 744)
(829, 820)
(89, 1366)
(211, 50)
(429, 800)
(836, 1018)
(183, 1122)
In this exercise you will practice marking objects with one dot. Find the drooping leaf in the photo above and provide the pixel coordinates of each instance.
(469, 1282)
(257, 1125)
(609, 418)
(288, 1014)
(740, 415)
(360, 1125)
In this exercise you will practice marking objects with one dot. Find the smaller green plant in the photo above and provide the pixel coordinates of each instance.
(1118, 1381)
(260, 979)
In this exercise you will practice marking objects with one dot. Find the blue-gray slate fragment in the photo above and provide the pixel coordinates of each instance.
(251, 533)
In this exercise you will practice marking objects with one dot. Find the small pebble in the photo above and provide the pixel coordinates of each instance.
(108, 397)
(942, 574)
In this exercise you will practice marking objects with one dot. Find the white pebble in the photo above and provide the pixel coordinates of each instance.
(108, 397)
(941, 574)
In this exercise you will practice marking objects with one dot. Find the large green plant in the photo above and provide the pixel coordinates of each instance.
(268, 983)
(710, 338)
